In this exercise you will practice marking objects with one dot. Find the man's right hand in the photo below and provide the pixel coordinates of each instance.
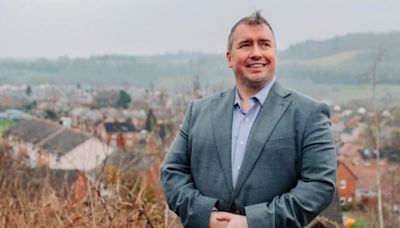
(215, 223)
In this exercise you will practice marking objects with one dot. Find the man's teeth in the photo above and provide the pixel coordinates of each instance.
(256, 65)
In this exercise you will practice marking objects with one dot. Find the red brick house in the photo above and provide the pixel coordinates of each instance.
(346, 183)
(356, 181)
(119, 134)
(356, 175)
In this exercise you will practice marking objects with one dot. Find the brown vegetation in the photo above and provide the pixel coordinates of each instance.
(30, 199)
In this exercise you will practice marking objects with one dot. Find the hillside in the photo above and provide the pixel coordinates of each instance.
(341, 60)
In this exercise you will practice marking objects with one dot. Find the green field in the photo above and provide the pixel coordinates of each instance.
(5, 124)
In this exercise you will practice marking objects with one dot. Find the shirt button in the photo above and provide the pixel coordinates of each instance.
(238, 167)
(241, 142)
(247, 119)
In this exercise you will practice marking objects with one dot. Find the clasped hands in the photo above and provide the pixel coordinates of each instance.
(221, 219)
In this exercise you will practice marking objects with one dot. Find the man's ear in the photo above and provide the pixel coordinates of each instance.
(228, 58)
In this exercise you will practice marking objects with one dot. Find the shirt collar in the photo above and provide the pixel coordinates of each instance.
(261, 96)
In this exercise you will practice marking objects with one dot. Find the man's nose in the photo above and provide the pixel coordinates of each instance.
(256, 52)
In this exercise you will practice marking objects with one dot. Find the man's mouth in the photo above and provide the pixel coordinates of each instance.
(256, 65)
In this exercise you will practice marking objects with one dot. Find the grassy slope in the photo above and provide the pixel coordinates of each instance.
(5, 125)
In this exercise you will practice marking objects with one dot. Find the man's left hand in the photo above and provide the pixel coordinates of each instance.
(234, 220)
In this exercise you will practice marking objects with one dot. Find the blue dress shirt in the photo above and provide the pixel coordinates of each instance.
(242, 124)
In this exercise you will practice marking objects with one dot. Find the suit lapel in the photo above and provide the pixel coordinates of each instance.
(271, 112)
(222, 129)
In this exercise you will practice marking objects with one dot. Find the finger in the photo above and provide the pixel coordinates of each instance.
(223, 216)
(221, 219)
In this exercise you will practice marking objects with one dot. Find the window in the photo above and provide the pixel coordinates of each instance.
(349, 199)
(343, 184)
(342, 201)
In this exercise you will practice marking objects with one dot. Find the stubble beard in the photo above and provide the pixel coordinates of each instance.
(254, 84)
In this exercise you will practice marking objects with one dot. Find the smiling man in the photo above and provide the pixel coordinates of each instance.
(258, 155)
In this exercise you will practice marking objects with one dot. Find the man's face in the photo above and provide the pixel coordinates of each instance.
(253, 55)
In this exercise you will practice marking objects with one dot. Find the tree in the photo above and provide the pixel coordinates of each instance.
(28, 90)
(151, 121)
(50, 114)
(374, 82)
(31, 106)
(124, 99)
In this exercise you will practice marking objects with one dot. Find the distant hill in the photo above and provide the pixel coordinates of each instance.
(340, 60)
(168, 70)
(353, 42)
(343, 60)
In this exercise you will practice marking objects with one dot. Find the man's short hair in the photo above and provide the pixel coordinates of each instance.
(254, 19)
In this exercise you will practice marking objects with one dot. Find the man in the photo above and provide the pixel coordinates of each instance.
(258, 155)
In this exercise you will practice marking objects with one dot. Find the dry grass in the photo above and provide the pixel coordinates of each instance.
(34, 202)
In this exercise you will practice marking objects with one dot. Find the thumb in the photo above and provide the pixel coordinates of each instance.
(223, 217)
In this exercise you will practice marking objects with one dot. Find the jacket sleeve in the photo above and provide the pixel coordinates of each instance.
(317, 180)
(176, 179)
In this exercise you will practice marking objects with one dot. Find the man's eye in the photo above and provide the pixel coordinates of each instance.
(265, 45)
(244, 45)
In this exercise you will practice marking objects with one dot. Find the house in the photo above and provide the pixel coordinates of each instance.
(114, 115)
(24, 138)
(43, 143)
(138, 117)
(65, 121)
(350, 135)
(13, 99)
(76, 114)
(336, 108)
(14, 114)
(356, 175)
(85, 119)
(350, 151)
(120, 134)
(362, 111)
(346, 183)
(73, 150)
(356, 181)
(366, 190)
(345, 128)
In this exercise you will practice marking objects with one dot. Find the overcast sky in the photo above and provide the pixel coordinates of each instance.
(81, 28)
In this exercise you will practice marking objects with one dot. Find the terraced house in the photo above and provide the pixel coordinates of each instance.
(43, 143)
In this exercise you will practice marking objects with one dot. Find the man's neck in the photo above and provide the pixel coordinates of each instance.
(245, 92)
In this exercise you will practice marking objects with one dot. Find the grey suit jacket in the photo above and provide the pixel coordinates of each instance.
(288, 174)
